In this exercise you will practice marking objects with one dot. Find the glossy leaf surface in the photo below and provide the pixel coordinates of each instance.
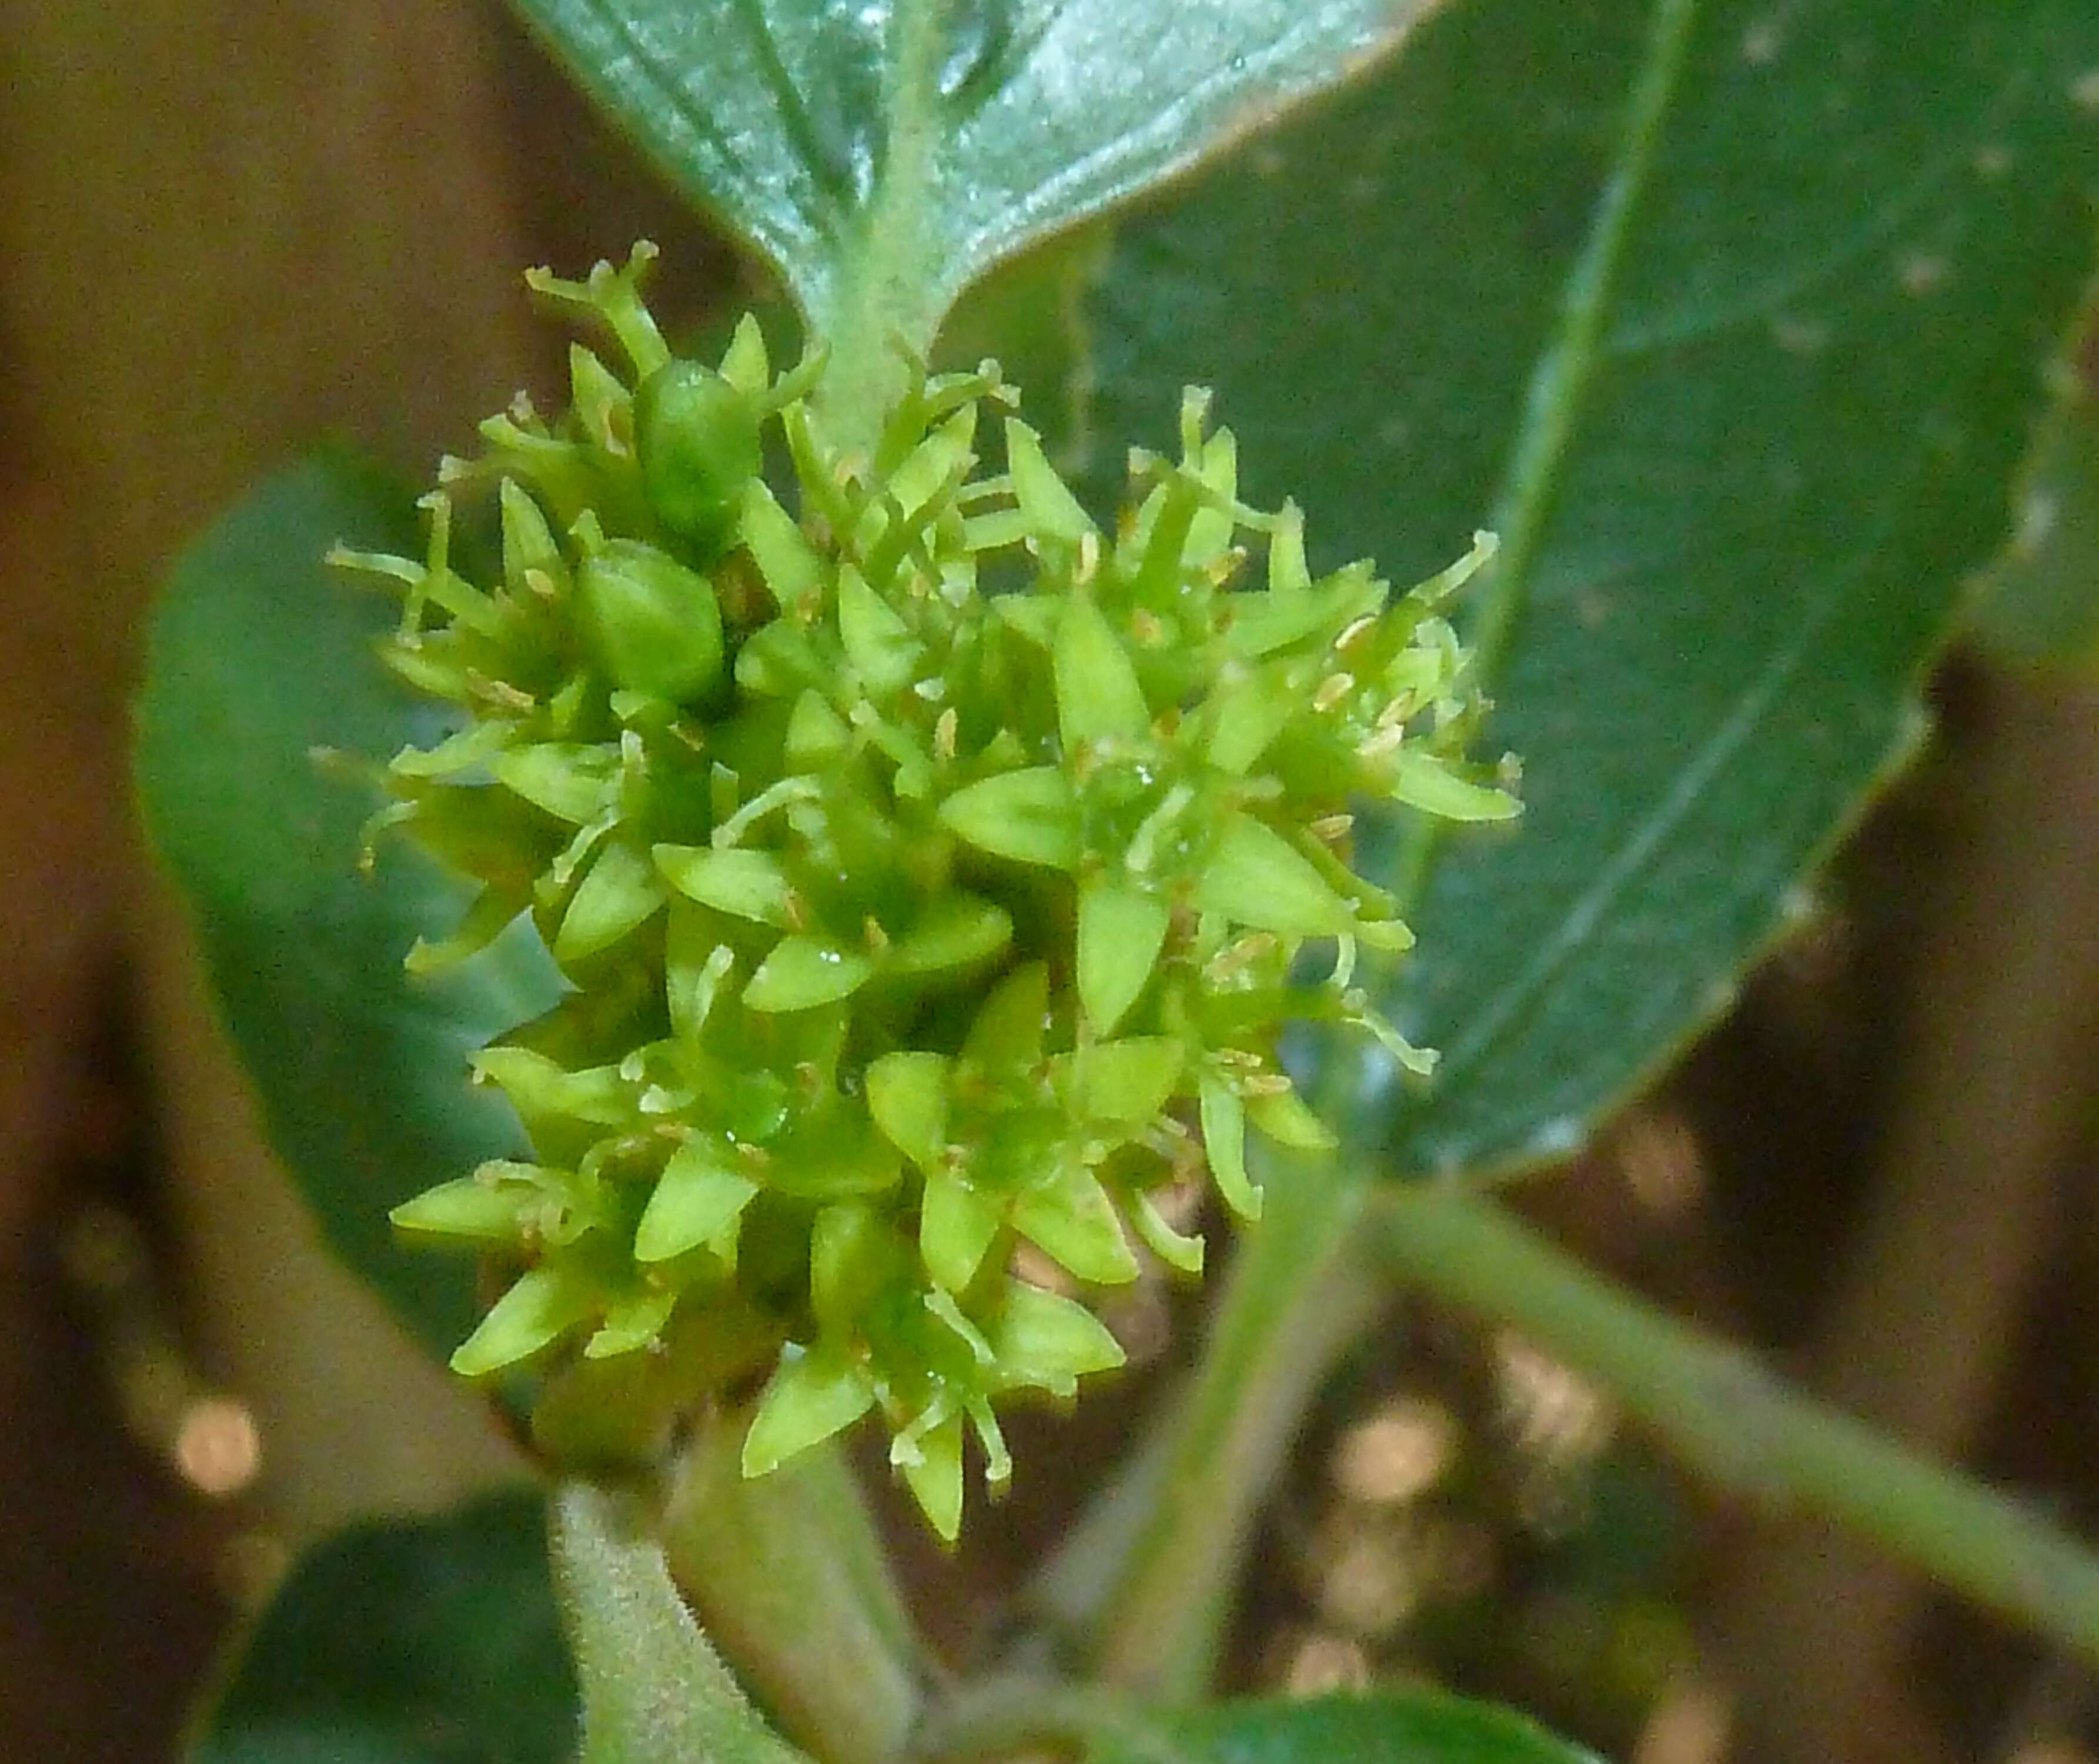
(892, 151)
(259, 653)
(430, 1642)
(1731, 320)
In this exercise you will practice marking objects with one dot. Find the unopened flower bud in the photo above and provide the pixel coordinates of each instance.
(653, 625)
(698, 440)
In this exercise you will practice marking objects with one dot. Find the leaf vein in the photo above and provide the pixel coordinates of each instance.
(1729, 738)
(791, 107)
(1560, 381)
(658, 70)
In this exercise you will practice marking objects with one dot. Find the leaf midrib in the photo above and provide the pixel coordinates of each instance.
(1484, 1030)
(1489, 1025)
(1560, 385)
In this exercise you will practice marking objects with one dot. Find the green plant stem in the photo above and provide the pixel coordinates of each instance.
(654, 1690)
(1734, 1420)
(1015, 1716)
(1166, 1600)
(789, 1576)
(881, 301)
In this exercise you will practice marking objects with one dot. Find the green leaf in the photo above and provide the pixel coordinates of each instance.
(884, 155)
(1069, 1217)
(654, 1691)
(1731, 322)
(957, 1225)
(1098, 697)
(809, 1398)
(541, 1305)
(784, 557)
(468, 1208)
(934, 1474)
(751, 885)
(2038, 603)
(1256, 877)
(257, 654)
(1175, 1248)
(699, 1196)
(1392, 1728)
(619, 893)
(907, 1095)
(1049, 1341)
(876, 641)
(1421, 781)
(1125, 1082)
(957, 930)
(653, 625)
(1121, 931)
(1028, 816)
(570, 782)
(1224, 1144)
(801, 972)
(431, 1642)
(1052, 512)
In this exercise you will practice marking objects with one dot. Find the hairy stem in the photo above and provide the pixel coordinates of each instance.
(1733, 1420)
(787, 1573)
(653, 1689)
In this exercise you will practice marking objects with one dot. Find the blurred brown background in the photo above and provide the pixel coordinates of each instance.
(227, 231)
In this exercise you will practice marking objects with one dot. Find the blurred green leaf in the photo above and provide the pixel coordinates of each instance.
(434, 1642)
(2038, 603)
(654, 1691)
(1400, 1727)
(1731, 320)
(258, 653)
(882, 155)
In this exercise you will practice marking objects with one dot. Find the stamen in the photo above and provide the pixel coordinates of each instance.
(1331, 691)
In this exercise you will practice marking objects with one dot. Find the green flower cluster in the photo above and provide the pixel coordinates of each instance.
(930, 867)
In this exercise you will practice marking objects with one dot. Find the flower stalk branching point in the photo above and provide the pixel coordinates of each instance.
(933, 870)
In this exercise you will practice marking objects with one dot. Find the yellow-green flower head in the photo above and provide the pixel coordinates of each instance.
(908, 920)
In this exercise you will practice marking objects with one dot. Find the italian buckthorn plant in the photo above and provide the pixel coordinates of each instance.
(934, 871)
(810, 866)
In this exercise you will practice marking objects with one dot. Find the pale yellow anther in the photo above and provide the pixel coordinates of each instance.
(1230, 960)
(499, 692)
